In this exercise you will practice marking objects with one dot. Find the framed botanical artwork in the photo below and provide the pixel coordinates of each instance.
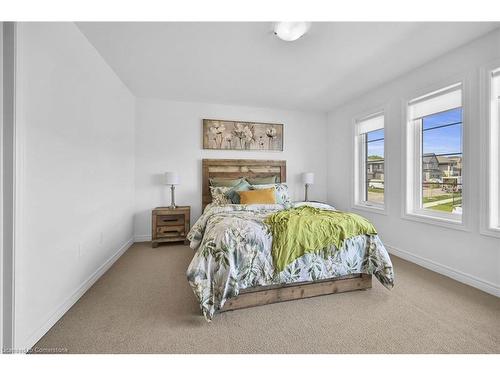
(242, 135)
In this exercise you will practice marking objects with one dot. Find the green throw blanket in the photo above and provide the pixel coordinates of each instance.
(307, 229)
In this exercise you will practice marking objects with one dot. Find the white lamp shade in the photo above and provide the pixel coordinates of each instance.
(290, 31)
(171, 178)
(308, 178)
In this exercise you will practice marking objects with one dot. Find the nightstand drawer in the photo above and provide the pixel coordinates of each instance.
(169, 224)
(170, 231)
(169, 220)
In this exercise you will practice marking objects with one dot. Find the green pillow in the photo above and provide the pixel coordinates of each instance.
(233, 195)
(261, 180)
(225, 182)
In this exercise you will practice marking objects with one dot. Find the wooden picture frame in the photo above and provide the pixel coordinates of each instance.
(242, 135)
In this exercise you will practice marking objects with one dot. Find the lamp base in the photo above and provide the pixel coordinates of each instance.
(172, 197)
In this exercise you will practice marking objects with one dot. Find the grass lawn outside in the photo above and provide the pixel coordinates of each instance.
(441, 197)
(447, 207)
(375, 190)
(375, 195)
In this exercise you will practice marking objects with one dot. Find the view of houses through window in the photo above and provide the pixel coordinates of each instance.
(374, 166)
(442, 161)
(369, 165)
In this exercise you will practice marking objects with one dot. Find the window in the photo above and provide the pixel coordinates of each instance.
(442, 161)
(370, 162)
(494, 154)
(435, 155)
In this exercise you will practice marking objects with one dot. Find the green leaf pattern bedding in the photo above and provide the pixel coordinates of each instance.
(233, 251)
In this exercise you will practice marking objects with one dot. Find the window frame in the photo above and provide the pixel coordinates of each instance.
(487, 227)
(358, 179)
(411, 176)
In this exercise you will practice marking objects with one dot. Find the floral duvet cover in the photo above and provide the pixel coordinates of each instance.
(233, 252)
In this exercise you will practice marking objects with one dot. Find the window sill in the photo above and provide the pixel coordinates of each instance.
(368, 208)
(430, 219)
(492, 232)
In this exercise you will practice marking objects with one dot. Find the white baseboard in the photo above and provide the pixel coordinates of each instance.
(463, 277)
(73, 298)
(142, 238)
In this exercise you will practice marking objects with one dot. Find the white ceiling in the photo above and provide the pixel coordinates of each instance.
(244, 63)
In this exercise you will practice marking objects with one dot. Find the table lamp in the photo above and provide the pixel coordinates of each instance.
(307, 179)
(172, 179)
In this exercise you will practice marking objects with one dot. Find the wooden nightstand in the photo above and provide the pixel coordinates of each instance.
(170, 224)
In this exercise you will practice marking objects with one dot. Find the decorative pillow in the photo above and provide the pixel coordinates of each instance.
(261, 180)
(233, 195)
(219, 195)
(261, 196)
(282, 195)
(230, 182)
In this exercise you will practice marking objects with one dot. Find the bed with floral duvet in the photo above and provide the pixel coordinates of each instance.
(233, 251)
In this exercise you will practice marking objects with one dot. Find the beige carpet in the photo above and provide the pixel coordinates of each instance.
(144, 304)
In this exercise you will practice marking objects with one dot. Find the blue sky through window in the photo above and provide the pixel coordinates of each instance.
(375, 143)
(443, 140)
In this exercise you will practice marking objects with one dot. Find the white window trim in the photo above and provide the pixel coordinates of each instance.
(486, 227)
(357, 204)
(409, 195)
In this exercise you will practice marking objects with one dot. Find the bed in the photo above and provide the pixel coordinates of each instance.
(233, 268)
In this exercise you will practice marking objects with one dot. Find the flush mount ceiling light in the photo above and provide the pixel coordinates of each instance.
(290, 31)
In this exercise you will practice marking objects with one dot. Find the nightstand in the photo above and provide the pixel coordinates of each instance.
(170, 224)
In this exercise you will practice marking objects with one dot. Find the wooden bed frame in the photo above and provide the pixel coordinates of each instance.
(263, 295)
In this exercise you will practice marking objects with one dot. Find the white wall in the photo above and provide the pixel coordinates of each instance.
(465, 255)
(169, 137)
(75, 139)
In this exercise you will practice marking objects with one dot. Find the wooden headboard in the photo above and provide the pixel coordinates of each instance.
(236, 168)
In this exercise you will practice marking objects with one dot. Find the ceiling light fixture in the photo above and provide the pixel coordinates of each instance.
(290, 31)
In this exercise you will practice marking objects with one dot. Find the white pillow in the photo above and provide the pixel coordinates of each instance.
(219, 195)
